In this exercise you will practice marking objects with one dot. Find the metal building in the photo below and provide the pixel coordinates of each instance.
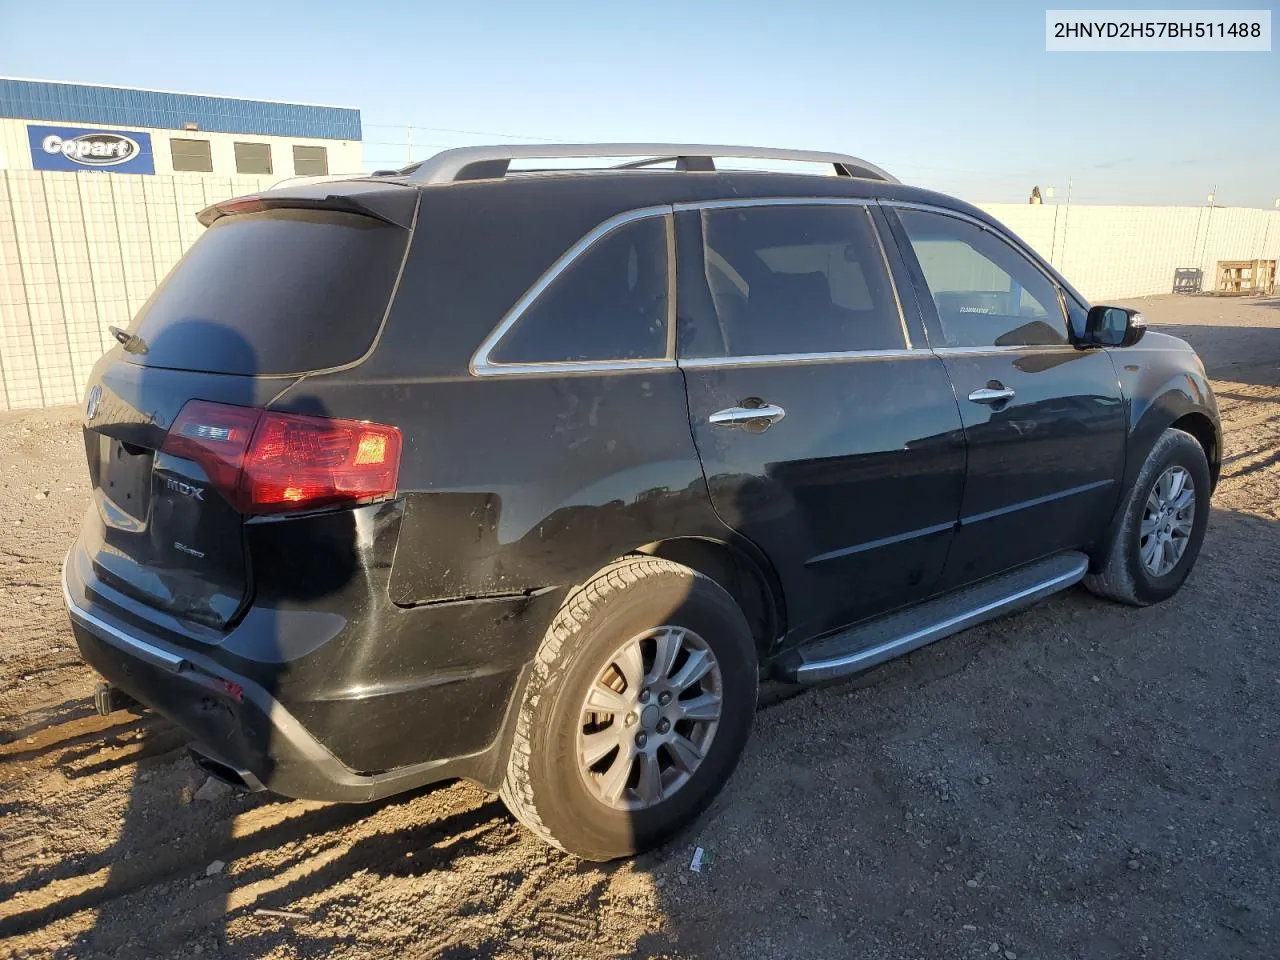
(73, 127)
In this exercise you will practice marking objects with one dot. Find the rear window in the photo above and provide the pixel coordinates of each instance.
(281, 291)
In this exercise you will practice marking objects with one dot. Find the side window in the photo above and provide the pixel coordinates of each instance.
(791, 279)
(609, 304)
(987, 293)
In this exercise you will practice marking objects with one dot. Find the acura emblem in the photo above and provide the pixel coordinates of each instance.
(92, 402)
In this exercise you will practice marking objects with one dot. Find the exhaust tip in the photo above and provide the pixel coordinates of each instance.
(228, 773)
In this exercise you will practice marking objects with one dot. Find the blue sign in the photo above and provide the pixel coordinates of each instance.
(73, 148)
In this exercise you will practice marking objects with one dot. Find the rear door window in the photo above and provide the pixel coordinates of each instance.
(987, 294)
(610, 303)
(792, 279)
(279, 291)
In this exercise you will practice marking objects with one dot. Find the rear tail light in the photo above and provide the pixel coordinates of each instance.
(216, 436)
(295, 461)
(267, 462)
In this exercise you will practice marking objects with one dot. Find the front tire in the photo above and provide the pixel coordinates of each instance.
(639, 704)
(1163, 526)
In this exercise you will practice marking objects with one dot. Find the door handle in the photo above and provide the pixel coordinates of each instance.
(991, 395)
(756, 419)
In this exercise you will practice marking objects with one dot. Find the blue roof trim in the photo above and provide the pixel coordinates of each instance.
(122, 107)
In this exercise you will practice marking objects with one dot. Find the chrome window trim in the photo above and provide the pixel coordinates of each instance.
(482, 366)
(936, 208)
(572, 368)
(730, 203)
(1026, 348)
(774, 359)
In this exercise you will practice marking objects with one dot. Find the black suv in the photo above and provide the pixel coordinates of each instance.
(528, 477)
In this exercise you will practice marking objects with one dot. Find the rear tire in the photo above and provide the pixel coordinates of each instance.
(607, 646)
(1138, 569)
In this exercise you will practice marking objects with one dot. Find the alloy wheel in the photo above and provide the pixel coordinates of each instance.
(1167, 520)
(649, 717)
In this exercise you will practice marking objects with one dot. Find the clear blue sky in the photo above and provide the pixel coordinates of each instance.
(955, 96)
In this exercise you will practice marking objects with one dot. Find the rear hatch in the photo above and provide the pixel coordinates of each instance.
(279, 286)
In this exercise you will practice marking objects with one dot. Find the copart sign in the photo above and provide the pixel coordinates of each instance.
(72, 148)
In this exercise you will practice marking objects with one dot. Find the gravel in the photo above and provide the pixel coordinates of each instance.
(1082, 779)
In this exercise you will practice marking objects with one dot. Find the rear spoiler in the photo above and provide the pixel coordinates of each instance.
(391, 203)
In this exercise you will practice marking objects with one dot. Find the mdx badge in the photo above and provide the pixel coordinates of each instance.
(186, 489)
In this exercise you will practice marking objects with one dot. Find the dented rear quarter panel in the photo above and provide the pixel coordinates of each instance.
(511, 491)
(516, 484)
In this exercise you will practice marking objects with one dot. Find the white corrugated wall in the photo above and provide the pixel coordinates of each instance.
(1109, 252)
(79, 252)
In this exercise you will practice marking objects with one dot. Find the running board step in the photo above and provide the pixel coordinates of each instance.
(873, 642)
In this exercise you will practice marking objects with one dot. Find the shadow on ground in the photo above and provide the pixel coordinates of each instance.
(1071, 777)
(1243, 354)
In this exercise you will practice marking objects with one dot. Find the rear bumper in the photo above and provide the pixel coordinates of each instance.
(236, 721)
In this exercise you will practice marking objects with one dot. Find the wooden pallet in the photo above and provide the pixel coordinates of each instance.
(1240, 277)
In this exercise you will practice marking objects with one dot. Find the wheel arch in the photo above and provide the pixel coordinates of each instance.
(1172, 409)
(1164, 389)
(748, 578)
(1201, 427)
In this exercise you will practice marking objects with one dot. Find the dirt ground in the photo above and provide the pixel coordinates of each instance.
(1080, 780)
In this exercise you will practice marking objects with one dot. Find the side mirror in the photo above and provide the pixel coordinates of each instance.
(1114, 326)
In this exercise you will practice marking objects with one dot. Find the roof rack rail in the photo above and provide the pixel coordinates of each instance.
(493, 162)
